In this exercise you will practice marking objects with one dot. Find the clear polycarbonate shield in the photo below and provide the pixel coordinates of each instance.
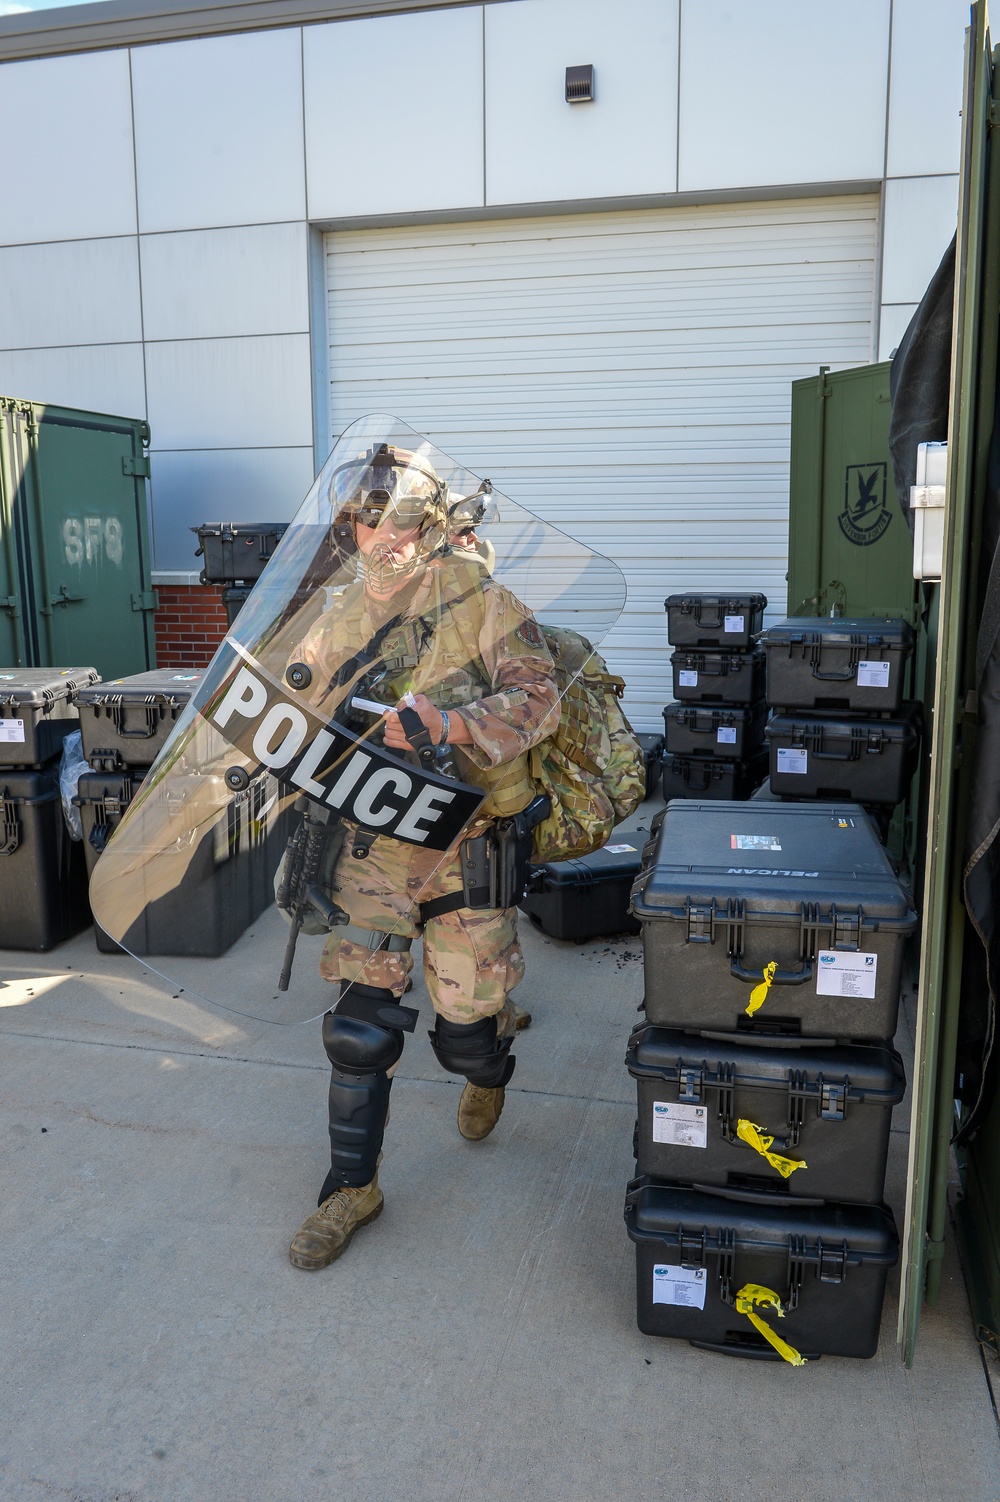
(404, 581)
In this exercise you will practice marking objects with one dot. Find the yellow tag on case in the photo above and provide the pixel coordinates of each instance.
(758, 995)
(749, 1296)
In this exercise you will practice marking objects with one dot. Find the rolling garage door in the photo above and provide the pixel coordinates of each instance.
(626, 375)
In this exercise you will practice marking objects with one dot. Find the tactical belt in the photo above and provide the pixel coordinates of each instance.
(373, 938)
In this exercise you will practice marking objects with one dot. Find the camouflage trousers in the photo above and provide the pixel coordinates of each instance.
(472, 958)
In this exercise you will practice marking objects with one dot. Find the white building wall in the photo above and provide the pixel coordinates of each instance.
(154, 228)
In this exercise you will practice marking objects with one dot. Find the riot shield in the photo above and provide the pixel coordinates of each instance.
(403, 581)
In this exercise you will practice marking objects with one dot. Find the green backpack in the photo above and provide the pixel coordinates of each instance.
(592, 767)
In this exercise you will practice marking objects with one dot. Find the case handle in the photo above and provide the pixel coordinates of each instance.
(779, 978)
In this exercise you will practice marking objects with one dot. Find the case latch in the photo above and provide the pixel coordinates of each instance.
(796, 1270)
(833, 1101)
(689, 1084)
(798, 1094)
(726, 1264)
(701, 924)
(10, 829)
(727, 1087)
(846, 928)
(692, 1248)
(832, 1265)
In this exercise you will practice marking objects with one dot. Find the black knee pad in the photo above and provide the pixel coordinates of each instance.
(362, 1034)
(473, 1049)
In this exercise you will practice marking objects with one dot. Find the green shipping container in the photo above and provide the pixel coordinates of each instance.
(850, 551)
(75, 582)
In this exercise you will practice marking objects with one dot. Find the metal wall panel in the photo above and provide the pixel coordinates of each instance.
(626, 375)
(68, 173)
(920, 218)
(394, 114)
(89, 293)
(925, 86)
(98, 377)
(218, 131)
(541, 149)
(782, 91)
(230, 393)
(218, 283)
(191, 487)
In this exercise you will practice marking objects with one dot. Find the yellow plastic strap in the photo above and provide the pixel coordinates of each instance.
(752, 1294)
(758, 995)
(758, 1139)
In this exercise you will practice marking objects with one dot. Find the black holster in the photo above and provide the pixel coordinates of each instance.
(495, 863)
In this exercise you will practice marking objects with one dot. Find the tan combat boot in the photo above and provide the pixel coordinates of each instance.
(479, 1111)
(324, 1235)
(522, 1017)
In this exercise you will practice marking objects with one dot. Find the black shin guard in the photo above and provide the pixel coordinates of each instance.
(361, 1048)
(473, 1049)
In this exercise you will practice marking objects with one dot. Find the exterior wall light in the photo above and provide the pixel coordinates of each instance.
(580, 84)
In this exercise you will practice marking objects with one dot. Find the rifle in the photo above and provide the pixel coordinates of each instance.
(298, 892)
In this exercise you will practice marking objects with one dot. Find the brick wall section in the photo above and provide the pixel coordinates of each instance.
(190, 624)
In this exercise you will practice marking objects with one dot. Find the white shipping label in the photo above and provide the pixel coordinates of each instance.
(12, 730)
(680, 1285)
(687, 678)
(850, 973)
(618, 849)
(791, 759)
(735, 623)
(726, 735)
(873, 675)
(680, 1125)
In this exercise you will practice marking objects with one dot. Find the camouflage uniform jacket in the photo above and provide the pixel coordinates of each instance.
(465, 642)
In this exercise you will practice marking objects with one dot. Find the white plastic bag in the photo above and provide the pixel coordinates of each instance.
(71, 769)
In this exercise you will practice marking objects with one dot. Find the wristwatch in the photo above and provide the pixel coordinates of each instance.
(445, 727)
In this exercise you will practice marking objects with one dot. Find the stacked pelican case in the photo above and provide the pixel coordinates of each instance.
(124, 725)
(235, 555)
(714, 731)
(43, 878)
(839, 727)
(773, 939)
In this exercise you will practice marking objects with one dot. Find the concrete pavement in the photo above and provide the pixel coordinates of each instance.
(476, 1344)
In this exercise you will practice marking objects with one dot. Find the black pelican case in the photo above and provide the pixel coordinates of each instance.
(125, 722)
(732, 732)
(652, 755)
(829, 1108)
(716, 675)
(695, 1250)
(581, 898)
(714, 620)
(710, 777)
(37, 711)
(729, 889)
(230, 870)
(833, 756)
(817, 662)
(43, 877)
(236, 552)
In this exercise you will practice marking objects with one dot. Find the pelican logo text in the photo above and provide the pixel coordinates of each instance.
(765, 871)
(361, 781)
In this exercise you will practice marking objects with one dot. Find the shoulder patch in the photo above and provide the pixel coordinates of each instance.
(529, 632)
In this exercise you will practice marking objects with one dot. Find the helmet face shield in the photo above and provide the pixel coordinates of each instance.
(367, 599)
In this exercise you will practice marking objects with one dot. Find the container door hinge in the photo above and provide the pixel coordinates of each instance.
(701, 924)
(64, 597)
(833, 1101)
(689, 1084)
(136, 466)
(11, 604)
(832, 1264)
(147, 599)
(933, 1250)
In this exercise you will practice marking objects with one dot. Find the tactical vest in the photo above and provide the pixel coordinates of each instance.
(436, 652)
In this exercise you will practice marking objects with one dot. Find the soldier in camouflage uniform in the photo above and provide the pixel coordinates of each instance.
(424, 623)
